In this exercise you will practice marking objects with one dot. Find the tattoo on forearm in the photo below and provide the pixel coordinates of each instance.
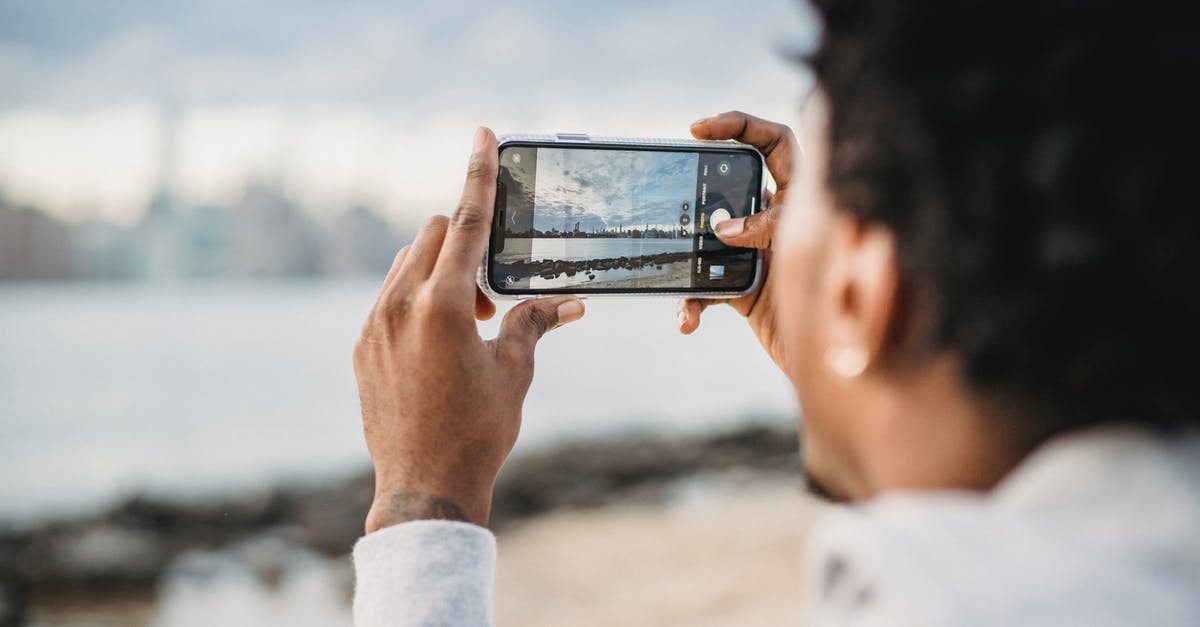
(406, 506)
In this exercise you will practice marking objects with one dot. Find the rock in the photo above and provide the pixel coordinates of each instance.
(102, 553)
(593, 474)
(14, 599)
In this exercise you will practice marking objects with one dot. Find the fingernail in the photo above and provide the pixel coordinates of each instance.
(480, 138)
(731, 228)
(569, 311)
(682, 319)
(699, 122)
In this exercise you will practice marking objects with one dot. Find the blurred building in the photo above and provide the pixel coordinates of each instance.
(273, 237)
(33, 245)
(360, 241)
(100, 250)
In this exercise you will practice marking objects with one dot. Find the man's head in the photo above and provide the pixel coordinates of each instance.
(993, 237)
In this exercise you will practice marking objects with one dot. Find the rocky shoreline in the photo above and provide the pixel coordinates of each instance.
(552, 268)
(126, 549)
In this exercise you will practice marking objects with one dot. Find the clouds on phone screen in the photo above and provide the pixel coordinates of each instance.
(605, 190)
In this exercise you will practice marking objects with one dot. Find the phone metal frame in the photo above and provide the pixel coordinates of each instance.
(586, 141)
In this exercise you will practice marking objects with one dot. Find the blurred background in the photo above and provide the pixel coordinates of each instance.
(198, 201)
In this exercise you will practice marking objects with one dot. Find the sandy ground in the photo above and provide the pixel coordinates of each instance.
(724, 552)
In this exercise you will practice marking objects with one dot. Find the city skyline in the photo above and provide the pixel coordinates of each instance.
(264, 235)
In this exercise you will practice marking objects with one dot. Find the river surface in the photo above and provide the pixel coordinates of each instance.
(579, 249)
(108, 390)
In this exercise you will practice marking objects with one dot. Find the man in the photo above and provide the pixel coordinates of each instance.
(983, 285)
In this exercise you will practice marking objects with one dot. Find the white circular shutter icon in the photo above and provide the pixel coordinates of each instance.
(717, 217)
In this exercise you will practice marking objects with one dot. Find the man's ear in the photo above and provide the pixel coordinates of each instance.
(862, 289)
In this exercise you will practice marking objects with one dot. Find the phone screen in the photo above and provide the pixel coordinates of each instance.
(577, 219)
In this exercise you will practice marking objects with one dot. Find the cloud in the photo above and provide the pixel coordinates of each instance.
(76, 163)
(373, 100)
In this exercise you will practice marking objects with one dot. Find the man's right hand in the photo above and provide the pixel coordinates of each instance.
(778, 145)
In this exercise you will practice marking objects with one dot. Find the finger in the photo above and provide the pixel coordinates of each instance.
(689, 314)
(753, 231)
(467, 236)
(767, 197)
(484, 307)
(526, 323)
(775, 141)
(397, 263)
(424, 253)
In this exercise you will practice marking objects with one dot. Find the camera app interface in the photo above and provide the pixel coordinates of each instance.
(618, 220)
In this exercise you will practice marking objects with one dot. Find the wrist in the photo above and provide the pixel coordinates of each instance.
(399, 505)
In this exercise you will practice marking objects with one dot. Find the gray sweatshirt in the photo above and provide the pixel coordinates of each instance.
(1094, 528)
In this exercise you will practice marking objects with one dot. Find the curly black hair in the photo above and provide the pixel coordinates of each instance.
(1035, 160)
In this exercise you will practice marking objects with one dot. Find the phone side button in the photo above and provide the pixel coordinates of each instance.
(572, 137)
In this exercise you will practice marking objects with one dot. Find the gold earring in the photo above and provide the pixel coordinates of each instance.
(847, 362)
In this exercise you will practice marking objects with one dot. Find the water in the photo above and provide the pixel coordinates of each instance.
(675, 275)
(107, 390)
(571, 249)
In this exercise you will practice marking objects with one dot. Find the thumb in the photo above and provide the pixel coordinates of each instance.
(754, 231)
(526, 323)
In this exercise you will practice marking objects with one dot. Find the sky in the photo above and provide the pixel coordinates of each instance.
(606, 189)
(341, 103)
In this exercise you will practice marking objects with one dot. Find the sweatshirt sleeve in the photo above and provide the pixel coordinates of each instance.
(425, 572)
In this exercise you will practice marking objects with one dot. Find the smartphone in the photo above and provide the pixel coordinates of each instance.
(618, 216)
